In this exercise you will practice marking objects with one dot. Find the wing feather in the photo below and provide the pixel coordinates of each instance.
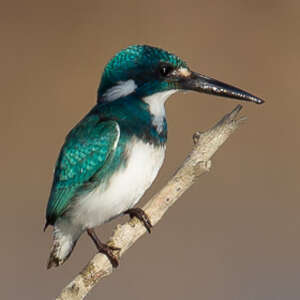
(86, 151)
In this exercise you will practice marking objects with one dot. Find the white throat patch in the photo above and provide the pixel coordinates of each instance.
(121, 89)
(156, 104)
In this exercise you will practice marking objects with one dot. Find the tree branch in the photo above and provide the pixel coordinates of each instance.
(197, 163)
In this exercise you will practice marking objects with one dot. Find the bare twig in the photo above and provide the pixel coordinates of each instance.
(197, 163)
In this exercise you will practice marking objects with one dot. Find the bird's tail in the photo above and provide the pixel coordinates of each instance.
(65, 236)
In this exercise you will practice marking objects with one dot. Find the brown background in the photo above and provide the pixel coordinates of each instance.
(236, 233)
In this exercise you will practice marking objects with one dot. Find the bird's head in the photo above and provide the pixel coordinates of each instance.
(149, 71)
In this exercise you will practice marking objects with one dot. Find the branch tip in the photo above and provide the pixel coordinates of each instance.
(196, 137)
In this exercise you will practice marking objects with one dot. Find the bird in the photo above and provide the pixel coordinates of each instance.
(112, 156)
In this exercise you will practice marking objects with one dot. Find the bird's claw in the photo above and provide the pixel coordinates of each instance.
(141, 215)
(109, 252)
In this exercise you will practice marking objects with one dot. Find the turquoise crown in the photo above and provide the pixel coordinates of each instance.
(137, 62)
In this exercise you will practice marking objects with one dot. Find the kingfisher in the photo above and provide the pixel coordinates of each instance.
(112, 156)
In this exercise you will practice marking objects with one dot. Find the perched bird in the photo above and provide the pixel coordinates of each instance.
(111, 157)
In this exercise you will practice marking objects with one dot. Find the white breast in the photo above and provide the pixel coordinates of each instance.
(125, 188)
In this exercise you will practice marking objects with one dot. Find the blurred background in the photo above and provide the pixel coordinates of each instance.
(236, 233)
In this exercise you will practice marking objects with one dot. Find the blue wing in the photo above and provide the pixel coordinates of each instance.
(87, 149)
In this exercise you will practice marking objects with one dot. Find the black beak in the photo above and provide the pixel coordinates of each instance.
(204, 84)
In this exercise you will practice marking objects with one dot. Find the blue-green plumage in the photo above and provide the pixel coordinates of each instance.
(141, 62)
(111, 157)
(89, 147)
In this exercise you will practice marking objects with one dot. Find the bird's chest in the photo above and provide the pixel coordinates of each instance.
(125, 186)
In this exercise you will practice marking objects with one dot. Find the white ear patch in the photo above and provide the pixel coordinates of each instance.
(121, 89)
(157, 109)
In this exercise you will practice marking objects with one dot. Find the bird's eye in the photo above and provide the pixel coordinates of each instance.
(165, 70)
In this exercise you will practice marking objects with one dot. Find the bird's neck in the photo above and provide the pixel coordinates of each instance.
(141, 117)
(156, 107)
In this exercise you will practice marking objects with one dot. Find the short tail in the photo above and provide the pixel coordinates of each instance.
(65, 237)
